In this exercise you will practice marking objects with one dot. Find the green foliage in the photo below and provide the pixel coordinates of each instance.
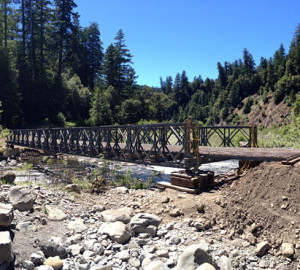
(297, 107)
(100, 112)
(52, 68)
(248, 104)
(59, 120)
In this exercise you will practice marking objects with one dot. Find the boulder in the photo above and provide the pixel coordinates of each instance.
(122, 214)
(6, 214)
(55, 213)
(144, 223)
(7, 177)
(287, 250)
(117, 231)
(157, 265)
(262, 248)
(6, 254)
(193, 256)
(56, 263)
(21, 198)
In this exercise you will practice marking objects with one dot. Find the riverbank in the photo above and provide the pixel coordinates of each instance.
(241, 224)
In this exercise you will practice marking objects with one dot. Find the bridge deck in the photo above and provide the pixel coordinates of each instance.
(259, 154)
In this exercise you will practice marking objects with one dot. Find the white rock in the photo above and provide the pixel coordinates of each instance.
(75, 249)
(122, 214)
(55, 213)
(225, 263)
(6, 214)
(117, 231)
(6, 254)
(134, 262)
(206, 266)
(44, 267)
(157, 265)
(77, 225)
(287, 249)
(124, 255)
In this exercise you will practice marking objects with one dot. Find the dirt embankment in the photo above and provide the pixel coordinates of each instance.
(267, 201)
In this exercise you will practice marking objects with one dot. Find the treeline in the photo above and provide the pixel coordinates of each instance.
(52, 70)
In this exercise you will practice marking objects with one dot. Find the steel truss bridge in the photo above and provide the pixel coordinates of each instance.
(168, 144)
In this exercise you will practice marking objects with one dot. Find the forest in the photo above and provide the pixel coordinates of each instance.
(54, 72)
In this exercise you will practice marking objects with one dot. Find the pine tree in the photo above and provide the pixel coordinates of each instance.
(93, 54)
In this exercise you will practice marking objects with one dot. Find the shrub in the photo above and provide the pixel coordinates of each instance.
(247, 107)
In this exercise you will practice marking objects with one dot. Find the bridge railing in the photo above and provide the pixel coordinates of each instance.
(165, 144)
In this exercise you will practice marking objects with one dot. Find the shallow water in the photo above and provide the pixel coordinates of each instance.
(66, 170)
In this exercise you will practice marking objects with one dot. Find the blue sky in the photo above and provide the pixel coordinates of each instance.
(169, 36)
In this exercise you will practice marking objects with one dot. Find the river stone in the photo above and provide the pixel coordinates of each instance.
(44, 267)
(75, 249)
(287, 249)
(206, 266)
(29, 265)
(157, 265)
(21, 198)
(262, 248)
(55, 213)
(122, 214)
(52, 249)
(193, 256)
(124, 255)
(225, 263)
(102, 267)
(37, 258)
(56, 263)
(77, 225)
(6, 254)
(117, 231)
(6, 214)
(144, 223)
(26, 226)
(8, 177)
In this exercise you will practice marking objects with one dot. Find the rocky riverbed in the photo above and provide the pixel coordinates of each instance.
(120, 228)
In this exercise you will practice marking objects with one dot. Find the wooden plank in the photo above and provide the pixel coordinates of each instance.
(291, 162)
(184, 182)
(169, 185)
